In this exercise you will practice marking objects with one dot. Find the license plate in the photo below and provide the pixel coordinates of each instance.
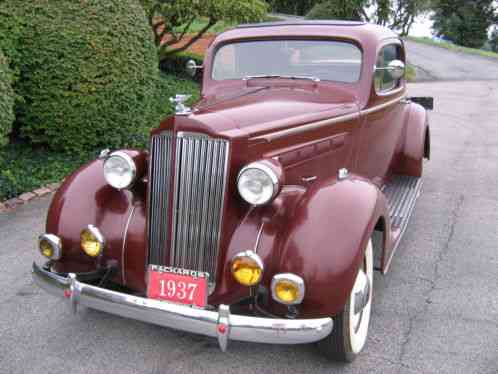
(176, 285)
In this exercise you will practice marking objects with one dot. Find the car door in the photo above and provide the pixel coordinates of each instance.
(382, 118)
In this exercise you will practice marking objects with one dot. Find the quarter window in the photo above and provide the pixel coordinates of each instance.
(383, 80)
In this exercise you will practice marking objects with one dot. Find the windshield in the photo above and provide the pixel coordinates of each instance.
(325, 60)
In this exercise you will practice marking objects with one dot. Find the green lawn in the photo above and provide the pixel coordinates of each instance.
(411, 73)
(24, 167)
(454, 47)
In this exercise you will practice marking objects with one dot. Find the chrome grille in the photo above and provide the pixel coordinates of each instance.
(200, 169)
(161, 149)
(200, 172)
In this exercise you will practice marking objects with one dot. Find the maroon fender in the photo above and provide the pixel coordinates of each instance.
(326, 240)
(85, 198)
(416, 145)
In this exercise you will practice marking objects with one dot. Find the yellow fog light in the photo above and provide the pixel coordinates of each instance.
(92, 241)
(247, 268)
(287, 289)
(50, 246)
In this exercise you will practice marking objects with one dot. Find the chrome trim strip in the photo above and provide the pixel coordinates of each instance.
(184, 318)
(123, 251)
(323, 123)
(307, 127)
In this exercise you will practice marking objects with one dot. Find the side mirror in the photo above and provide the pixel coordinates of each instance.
(191, 68)
(396, 69)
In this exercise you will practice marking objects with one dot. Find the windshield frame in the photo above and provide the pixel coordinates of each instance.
(289, 38)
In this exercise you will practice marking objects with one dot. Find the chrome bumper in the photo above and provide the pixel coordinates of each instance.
(219, 324)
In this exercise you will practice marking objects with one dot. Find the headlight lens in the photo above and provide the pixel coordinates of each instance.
(119, 170)
(287, 289)
(50, 246)
(258, 183)
(247, 268)
(92, 241)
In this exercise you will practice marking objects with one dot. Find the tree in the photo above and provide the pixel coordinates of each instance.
(297, 7)
(171, 20)
(464, 22)
(493, 41)
(398, 15)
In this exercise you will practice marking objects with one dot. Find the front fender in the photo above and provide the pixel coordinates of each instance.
(326, 240)
(85, 198)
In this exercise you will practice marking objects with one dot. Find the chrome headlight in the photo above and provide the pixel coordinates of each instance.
(120, 170)
(259, 182)
(50, 246)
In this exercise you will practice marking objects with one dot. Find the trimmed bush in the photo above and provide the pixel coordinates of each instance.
(89, 74)
(6, 100)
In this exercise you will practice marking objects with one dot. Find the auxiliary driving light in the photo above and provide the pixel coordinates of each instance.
(92, 241)
(50, 246)
(247, 268)
(287, 289)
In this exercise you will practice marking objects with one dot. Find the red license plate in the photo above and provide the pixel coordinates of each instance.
(177, 285)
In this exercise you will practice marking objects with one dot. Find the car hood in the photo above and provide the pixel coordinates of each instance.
(256, 110)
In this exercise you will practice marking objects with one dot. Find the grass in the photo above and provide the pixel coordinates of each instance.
(411, 73)
(24, 167)
(454, 47)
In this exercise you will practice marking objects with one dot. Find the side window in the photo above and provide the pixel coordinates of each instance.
(383, 80)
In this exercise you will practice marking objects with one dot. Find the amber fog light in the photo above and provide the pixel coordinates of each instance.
(50, 246)
(92, 241)
(247, 268)
(287, 289)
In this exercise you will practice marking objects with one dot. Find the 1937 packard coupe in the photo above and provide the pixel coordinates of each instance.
(252, 216)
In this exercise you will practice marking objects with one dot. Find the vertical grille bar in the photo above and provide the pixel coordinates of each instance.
(159, 180)
(201, 167)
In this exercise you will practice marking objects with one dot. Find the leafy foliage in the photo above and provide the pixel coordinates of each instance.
(464, 22)
(338, 9)
(24, 167)
(172, 21)
(6, 100)
(87, 72)
(297, 7)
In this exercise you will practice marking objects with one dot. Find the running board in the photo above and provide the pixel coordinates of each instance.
(401, 193)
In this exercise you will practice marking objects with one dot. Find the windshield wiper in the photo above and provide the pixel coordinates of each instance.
(271, 76)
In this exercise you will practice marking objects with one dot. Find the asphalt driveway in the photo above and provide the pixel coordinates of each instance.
(435, 312)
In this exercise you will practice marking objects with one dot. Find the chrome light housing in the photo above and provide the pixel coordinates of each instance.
(120, 171)
(259, 182)
(50, 246)
(92, 241)
(247, 268)
(288, 289)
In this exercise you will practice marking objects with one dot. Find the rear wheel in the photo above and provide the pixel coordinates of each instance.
(350, 331)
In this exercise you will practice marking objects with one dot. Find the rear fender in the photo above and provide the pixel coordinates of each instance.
(416, 142)
(326, 239)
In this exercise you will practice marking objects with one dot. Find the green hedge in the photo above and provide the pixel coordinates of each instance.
(88, 74)
(6, 100)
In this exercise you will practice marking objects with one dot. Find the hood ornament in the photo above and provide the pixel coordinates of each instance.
(180, 107)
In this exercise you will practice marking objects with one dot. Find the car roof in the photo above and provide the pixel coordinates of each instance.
(302, 23)
(365, 34)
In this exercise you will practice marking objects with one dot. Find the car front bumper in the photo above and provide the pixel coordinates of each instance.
(219, 324)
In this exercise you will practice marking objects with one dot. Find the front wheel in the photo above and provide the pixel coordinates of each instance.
(349, 335)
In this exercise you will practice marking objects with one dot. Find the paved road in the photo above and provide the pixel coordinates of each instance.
(435, 312)
(441, 64)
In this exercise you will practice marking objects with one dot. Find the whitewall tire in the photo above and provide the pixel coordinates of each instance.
(351, 326)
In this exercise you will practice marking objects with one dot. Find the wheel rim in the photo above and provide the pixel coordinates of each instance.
(358, 322)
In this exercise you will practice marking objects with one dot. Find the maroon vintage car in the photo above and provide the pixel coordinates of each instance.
(260, 214)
